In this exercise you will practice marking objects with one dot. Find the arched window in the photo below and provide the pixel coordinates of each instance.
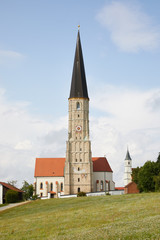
(61, 187)
(41, 185)
(78, 106)
(79, 189)
(51, 187)
(101, 185)
(78, 169)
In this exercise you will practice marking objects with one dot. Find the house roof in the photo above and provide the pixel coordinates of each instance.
(78, 85)
(129, 184)
(54, 167)
(119, 188)
(100, 164)
(10, 187)
(51, 167)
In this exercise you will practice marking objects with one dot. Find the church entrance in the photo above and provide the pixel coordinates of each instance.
(52, 194)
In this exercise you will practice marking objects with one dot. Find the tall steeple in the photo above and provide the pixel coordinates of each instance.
(78, 84)
(78, 165)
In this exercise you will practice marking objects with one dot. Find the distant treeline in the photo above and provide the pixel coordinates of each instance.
(147, 177)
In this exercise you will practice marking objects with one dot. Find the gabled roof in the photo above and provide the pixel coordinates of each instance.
(100, 164)
(119, 188)
(78, 85)
(54, 167)
(129, 184)
(10, 187)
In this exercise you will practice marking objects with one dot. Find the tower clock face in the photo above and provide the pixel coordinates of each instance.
(78, 128)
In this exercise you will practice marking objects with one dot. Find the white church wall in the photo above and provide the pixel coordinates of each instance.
(46, 182)
(103, 176)
(1, 194)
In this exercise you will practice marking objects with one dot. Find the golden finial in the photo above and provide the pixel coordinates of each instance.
(78, 27)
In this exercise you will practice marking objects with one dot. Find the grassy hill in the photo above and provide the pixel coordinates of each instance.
(106, 217)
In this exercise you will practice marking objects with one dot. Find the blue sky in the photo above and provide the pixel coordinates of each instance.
(121, 48)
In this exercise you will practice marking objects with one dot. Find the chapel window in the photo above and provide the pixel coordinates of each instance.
(101, 185)
(51, 187)
(79, 189)
(41, 185)
(61, 187)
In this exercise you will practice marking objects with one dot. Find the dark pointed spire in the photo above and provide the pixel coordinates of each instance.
(128, 155)
(78, 85)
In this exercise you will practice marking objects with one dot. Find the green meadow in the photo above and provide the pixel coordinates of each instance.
(135, 216)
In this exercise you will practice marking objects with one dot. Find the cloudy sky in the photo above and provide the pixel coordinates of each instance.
(121, 49)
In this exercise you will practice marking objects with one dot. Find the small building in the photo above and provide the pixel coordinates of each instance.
(4, 187)
(131, 188)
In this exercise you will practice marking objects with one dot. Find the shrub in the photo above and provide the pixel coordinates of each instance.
(11, 196)
(34, 197)
(107, 193)
(81, 194)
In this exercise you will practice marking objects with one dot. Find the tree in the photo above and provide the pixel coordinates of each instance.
(157, 183)
(28, 190)
(135, 173)
(146, 175)
(158, 159)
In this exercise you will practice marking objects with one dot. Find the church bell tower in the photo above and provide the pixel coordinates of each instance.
(78, 170)
(128, 169)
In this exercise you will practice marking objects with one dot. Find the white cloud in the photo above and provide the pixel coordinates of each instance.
(131, 29)
(10, 54)
(25, 137)
(24, 145)
(126, 117)
(8, 57)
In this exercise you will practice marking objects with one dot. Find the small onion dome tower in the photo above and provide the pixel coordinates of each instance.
(128, 169)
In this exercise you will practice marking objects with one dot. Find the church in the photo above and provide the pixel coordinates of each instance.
(78, 171)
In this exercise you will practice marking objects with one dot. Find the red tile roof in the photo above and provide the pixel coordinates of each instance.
(100, 164)
(51, 167)
(119, 188)
(54, 167)
(10, 187)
